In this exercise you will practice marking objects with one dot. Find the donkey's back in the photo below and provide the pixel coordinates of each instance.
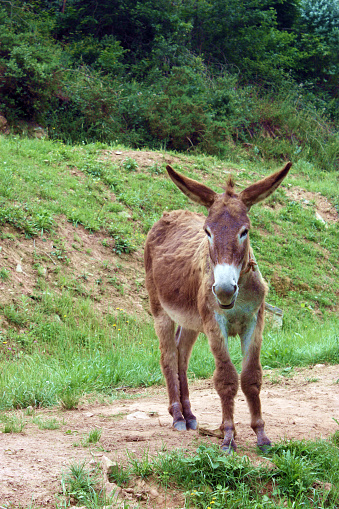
(174, 266)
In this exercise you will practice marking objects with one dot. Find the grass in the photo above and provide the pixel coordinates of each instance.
(12, 423)
(58, 361)
(294, 474)
(92, 437)
(63, 340)
(50, 424)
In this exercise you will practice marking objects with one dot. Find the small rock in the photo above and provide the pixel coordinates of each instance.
(40, 132)
(153, 493)
(124, 213)
(112, 489)
(137, 415)
(321, 219)
(19, 268)
(108, 465)
(319, 366)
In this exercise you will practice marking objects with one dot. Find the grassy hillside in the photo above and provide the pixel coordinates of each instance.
(74, 313)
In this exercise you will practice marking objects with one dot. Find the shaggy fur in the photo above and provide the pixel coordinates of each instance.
(182, 252)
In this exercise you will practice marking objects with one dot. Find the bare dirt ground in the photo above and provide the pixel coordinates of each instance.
(302, 405)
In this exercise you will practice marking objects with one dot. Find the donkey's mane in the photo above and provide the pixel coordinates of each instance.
(229, 188)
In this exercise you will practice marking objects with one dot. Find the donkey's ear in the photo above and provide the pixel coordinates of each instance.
(264, 188)
(197, 192)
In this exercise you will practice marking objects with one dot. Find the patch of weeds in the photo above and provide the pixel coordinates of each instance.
(142, 468)
(92, 438)
(70, 399)
(129, 164)
(92, 169)
(80, 483)
(7, 236)
(51, 423)
(122, 244)
(30, 410)
(119, 474)
(155, 169)
(13, 423)
(15, 316)
(113, 280)
(60, 253)
(296, 473)
(4, 274)
(287, 372)
(43, 221)
(42, 272)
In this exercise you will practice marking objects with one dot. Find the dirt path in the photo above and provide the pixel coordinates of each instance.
(301, 405)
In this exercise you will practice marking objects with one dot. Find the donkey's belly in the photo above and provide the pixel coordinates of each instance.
(189, 319)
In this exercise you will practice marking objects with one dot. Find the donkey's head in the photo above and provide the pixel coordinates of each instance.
(227, 226)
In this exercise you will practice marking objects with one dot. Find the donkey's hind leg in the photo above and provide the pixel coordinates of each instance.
(185, 340)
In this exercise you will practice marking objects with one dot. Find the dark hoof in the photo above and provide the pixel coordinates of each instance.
(192, 424)
(229, 446)
(228, 449)
(265, 448)
(179, 425)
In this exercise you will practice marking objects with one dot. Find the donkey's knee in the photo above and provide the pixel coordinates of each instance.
(226, 380)
(251, 377)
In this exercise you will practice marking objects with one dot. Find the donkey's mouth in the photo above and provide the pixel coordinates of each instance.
(227, 306)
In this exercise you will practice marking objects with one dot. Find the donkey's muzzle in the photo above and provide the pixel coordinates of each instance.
(226, 294)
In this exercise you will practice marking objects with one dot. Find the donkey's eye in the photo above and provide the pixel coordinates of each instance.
(208, 233)
(244, 233)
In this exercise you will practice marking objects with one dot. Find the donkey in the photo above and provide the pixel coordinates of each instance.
(201, 275)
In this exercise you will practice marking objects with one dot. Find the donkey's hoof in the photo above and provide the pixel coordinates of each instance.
(229, 446)
(265, 448)
(192, 424)
(229, 449)
(180, 425)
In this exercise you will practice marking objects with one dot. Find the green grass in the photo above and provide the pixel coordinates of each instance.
(62, 342)
(59, 344)
(58, 361)
(50, 424)
(12, 423)
(294, 474)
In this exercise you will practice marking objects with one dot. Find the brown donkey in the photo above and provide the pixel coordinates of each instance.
(201, 275)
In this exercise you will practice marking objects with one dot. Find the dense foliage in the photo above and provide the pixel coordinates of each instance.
(255, 75)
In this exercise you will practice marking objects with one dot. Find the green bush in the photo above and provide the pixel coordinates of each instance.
(29, 62)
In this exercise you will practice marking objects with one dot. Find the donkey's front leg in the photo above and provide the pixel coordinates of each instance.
(226, 383)
(164, 328)
(251, 377)
(185, 339)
